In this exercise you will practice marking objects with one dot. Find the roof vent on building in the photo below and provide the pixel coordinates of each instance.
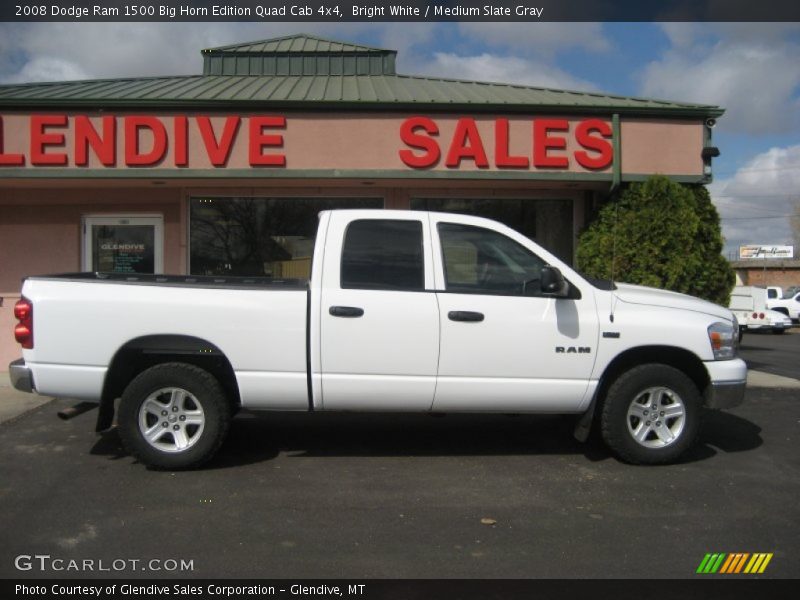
(300, 54)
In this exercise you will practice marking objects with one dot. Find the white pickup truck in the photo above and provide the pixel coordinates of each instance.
(404, 311)
(788, 305)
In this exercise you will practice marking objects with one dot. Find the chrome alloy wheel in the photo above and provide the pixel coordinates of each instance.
(171, 420)
(656, 417)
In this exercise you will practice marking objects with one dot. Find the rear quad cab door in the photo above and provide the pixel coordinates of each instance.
(379, 320)
(504, 345)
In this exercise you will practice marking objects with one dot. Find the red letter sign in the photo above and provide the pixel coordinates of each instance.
(105, 148)
(466, 143)
(502, 156)
(421, 142)
(9, 160)
(218, 152)
(600, 146)
(133, 154)
(40, 139)
(542, 142)
(180, 152)
(259, 139)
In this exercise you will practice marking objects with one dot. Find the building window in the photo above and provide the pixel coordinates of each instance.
(123, 244)
(383, 255)
(548, 222)
(266, 237)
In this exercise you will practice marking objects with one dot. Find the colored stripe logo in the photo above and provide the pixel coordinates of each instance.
(735, 563)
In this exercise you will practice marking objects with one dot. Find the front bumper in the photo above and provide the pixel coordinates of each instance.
(727, 386)
(725, 394)
(20, 375)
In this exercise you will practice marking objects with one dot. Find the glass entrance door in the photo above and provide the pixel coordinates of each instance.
(123, 244)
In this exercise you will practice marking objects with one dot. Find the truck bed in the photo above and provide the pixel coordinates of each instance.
(83, 321)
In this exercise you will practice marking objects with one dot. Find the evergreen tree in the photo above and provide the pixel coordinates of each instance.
(660, 234)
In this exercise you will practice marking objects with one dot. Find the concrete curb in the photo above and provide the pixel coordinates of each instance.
(761, 379)
(14, 403)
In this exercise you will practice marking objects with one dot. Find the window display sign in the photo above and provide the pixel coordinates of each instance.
(123, 244)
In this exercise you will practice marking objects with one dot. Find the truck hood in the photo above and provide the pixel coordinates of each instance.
(638, 294)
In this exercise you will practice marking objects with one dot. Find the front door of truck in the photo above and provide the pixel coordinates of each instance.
(504, 345)
(379, 320)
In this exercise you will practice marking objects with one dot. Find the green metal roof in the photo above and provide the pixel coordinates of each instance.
(302, 54)
(334, 75)
(299, 43)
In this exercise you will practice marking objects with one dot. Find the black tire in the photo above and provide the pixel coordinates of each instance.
(778, 331)
(193, 404)
(627, 407)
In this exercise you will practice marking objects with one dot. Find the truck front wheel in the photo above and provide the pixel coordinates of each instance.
(173, 416)
(651, 414)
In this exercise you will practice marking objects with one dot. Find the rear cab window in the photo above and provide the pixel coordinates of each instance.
(383, 254)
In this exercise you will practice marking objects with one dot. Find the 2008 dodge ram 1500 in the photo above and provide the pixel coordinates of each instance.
(404, 311)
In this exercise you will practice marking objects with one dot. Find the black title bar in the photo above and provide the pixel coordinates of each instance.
(709, 588)
(399, 11)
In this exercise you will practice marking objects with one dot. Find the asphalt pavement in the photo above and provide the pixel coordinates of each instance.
(405, 496)
(408, 496)
(774, 354)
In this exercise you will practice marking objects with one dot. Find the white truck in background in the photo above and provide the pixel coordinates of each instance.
(774, 292)
(749, 304)
(788, 305)
(404, 311)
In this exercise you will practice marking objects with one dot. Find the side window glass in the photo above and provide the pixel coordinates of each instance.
(482, 261)
(383, 254)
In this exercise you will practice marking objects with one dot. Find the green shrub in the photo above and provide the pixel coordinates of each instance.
(660, 234)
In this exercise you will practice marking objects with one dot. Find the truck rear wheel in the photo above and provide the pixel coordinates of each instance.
(173, 416)
(651, 414)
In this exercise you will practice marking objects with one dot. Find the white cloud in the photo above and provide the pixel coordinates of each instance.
(47, 69)
(507, 69)
(682, 35)
(767, 186)
(751, 70)
(521, 53)
(61, 51)
(543, 38)
(67, 51)
(408, 37)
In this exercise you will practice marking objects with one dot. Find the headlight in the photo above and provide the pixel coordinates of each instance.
(724, 339)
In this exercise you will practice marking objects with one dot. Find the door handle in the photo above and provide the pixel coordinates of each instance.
(465, 315)
(346, 311)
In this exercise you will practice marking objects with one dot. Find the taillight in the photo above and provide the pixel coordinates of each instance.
(755, 315)
(23, 332)
(761, 315)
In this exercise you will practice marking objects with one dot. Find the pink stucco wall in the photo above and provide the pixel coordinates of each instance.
(40, 234)
(666, 147)
(370, 141)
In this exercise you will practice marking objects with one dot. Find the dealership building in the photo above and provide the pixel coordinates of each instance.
(224, 172)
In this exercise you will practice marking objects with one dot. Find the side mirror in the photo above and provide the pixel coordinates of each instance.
(553, 283)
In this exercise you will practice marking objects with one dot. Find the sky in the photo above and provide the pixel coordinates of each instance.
(750, 69)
